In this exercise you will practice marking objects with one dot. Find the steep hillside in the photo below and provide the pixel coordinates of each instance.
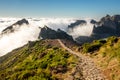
(107, 26)
(106, 54)
(38, 60)
(48, 33)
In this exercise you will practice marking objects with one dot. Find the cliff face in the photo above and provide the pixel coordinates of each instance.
(106, 27)
(48, 33)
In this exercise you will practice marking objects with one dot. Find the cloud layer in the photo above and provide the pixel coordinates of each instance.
(30, 32)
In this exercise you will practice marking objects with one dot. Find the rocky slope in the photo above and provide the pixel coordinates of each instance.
(14, 26)
(106, 27)
(48, 33)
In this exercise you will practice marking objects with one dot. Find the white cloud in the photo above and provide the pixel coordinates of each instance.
(82, 30)
(30, 32)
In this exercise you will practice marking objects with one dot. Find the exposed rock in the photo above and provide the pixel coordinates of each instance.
(77, 23)
(106, 27)
(116, 18)
(11, 28)
(83, 39)
(108, 22)
(107, 17)
(20, 22)
(48, 33)
(93, 21)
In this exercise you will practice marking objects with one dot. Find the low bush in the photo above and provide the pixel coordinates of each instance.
(91, 47)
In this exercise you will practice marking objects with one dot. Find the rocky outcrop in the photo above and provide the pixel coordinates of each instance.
(12, 28)
(77, 23)
(83, 39)
(106, 27)
(93, 22)
(48, 33)
(107, 21)
(20, 22)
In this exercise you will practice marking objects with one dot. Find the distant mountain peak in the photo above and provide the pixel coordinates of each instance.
(23, 21)
(108, 15)
(10, 29)
(46, 27)
(77, 23)
(106, 27)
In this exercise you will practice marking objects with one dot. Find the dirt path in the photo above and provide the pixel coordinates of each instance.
(89, 69)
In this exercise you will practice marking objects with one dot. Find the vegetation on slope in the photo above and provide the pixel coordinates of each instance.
(39, 60)
(106, 54)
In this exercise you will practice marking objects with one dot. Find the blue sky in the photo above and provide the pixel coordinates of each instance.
(58, 8)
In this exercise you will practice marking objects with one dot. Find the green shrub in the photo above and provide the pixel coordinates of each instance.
(43, 65)
(91, 47)
(39, 63)
(112, 40)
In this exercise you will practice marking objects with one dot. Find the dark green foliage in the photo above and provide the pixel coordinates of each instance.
(112, 40)
(95, 45)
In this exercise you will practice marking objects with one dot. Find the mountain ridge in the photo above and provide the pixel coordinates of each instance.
(56, 56)
(11, 28)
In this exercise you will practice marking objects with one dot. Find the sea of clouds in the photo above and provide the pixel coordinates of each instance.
(30, 32)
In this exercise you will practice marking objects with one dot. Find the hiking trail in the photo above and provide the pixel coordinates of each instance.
(89, 70)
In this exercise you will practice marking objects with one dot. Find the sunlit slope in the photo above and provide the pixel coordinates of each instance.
(38, 60)
(106, 53)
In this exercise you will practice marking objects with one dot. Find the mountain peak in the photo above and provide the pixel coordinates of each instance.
(48, 33)
(108, 15)
(20, 22)
(10, 29)
(45, 27)
(77, 23)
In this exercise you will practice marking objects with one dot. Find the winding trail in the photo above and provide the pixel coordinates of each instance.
(89, 69)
